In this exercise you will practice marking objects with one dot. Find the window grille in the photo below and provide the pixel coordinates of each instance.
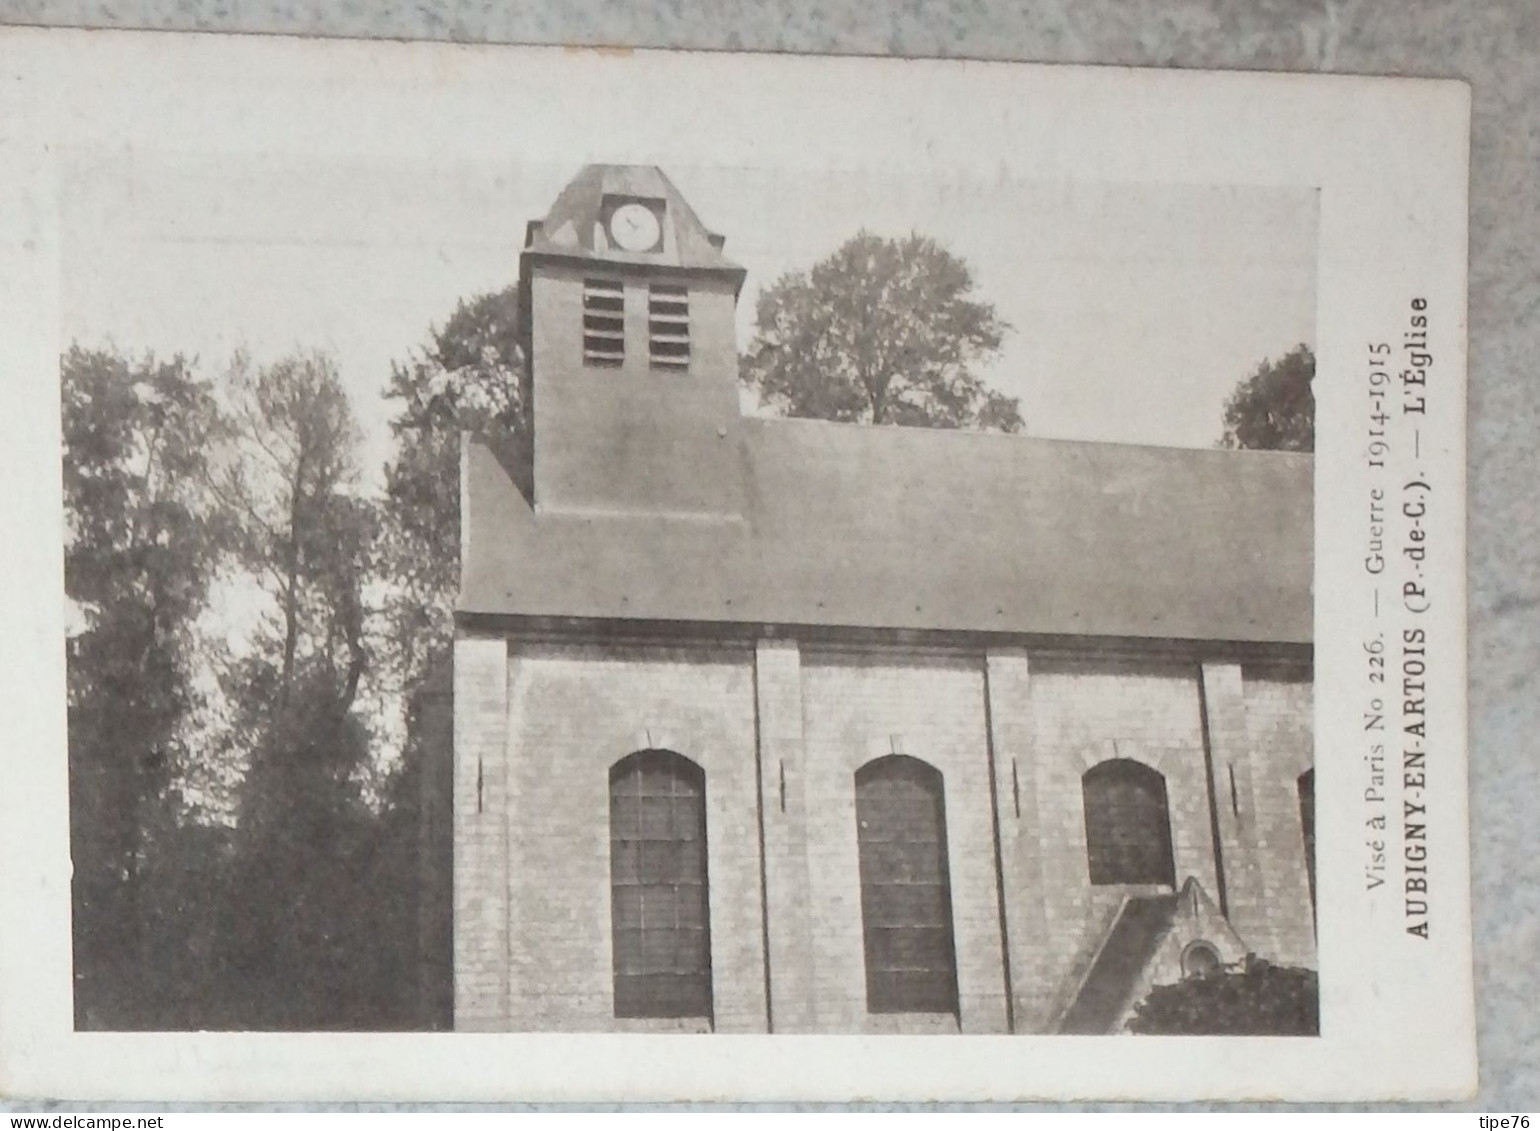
(604, 323)
(1127, 824)
(658, 891)
(906, 898)
(668, 326)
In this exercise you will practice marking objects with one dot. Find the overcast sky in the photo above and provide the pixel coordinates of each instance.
(1134, 309)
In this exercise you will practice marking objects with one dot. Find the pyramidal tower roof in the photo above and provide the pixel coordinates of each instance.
(574, 228)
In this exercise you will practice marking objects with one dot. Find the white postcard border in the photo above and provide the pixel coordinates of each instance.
(1390, 158)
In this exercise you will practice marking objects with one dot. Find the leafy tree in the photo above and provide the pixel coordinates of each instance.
(307, 838)
(298, 915)
(881, 332)
(306, 532)
(470, 377)
(1258, 999)
(1274, 408)
(143, 541)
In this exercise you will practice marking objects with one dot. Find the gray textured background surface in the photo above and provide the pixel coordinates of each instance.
(1493, 44)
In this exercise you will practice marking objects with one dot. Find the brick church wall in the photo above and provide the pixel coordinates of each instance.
(480, 833)
(575, 711)
(1083, 712)
(861, 706)
(780, 730)
(1279, 716)
(1023, 855)
(784, 809)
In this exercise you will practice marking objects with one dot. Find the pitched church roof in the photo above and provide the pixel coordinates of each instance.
(660, 504)
(910, 528)
(1142, 948)
(1120, 964)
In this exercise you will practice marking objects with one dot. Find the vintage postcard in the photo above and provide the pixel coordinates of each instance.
(543, 574)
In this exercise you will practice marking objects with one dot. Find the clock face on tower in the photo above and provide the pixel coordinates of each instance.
(635, 227)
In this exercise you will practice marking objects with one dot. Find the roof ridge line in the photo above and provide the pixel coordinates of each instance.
(1065, 441)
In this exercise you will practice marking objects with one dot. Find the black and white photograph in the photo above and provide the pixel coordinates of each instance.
(599, 577)
(643, 648)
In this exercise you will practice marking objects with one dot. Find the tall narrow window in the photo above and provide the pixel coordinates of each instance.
(604, 322)
(1127, 824)
(668, 326)
(1306, 787)
(658, 893)
(906, 897)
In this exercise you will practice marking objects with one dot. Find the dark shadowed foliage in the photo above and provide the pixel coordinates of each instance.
(1274, 408)
(316, 939)
(143, 541)
(470, 377)
(1258, 999)
(293, 909)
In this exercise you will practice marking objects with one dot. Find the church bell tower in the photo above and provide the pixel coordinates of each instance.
(628, 316)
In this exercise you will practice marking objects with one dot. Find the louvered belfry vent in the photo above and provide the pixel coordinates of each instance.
(604, 323)
(668, 326)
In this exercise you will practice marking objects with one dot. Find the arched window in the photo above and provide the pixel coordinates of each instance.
(658, 894)
(906, 896)
(1306, 787)
(1127, 826)
(1200, 960)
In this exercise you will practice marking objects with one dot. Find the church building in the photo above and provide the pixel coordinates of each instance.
(789, 726)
